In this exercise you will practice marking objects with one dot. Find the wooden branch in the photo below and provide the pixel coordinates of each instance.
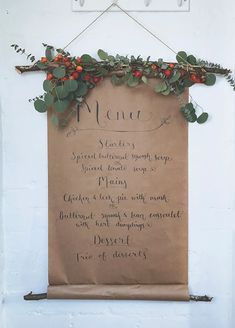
(43, 296)
(35, 297)
(25, 69)
(221, 71)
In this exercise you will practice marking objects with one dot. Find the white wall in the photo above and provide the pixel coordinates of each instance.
(208, 32)
(1, 229)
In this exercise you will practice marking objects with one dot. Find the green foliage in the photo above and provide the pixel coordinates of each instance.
(202, 118)
(71, 85)
(55, 120)
(230, 80)
(102, 54)
(59, 72)
(22, 51)
(69, 79)
(49, 99)
(191, 60)
(82, 89)
(61, 92)
(87, 58)
(40, 106)
(189, 113)
(133, 81)
(210, 79)
(175, 77)
(49, 53)
(160, 87)
(47, 85)
(116, 80)
(61, 105)
(144, 79)
(181, 57)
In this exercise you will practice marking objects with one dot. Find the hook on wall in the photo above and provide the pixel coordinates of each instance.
(180, 3)
(132, 5)
(147, 2)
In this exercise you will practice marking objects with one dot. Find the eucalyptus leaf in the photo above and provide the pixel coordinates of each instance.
(102, 54)
(191, 60)
(210, 79)
(61, 92)
(175, 77)
(192, 118)
(202, 118)
(70, 85)
(116, 80)
(49, 54)
(40, 106)
(86, 58)
(49, 99)
(82, 89)
(54, 119)
(103, 71)
(190, 107)
(47, 85)
(187, 83)
(59, 72)
(111, 58)
(166, 92)
(61, 105)
(181, 57)
(132, 81)
(144, 79)
(188, 112)
(160, 87)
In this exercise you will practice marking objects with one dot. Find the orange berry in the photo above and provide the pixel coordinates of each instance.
(96, 79)
(167, 72)
(79, 69)
(67, 64)
(43, 59)
(171, 65)
(87, 77)
(64, 78)
(75, 75)
(59, 56)
(71, 78)
(78, 59)
(193, 78)
(138, 74)
(49, 76)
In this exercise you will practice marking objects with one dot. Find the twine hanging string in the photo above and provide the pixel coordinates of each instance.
(136, 21)
(89, 25)
(187, 65)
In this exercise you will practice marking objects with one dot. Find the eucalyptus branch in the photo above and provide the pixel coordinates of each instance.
(193, 68)
(23, 52)
(69, 79)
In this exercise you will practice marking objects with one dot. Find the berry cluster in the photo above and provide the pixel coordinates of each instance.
(73, 67)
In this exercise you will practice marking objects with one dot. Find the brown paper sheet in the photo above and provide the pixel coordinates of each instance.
(118, 198)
